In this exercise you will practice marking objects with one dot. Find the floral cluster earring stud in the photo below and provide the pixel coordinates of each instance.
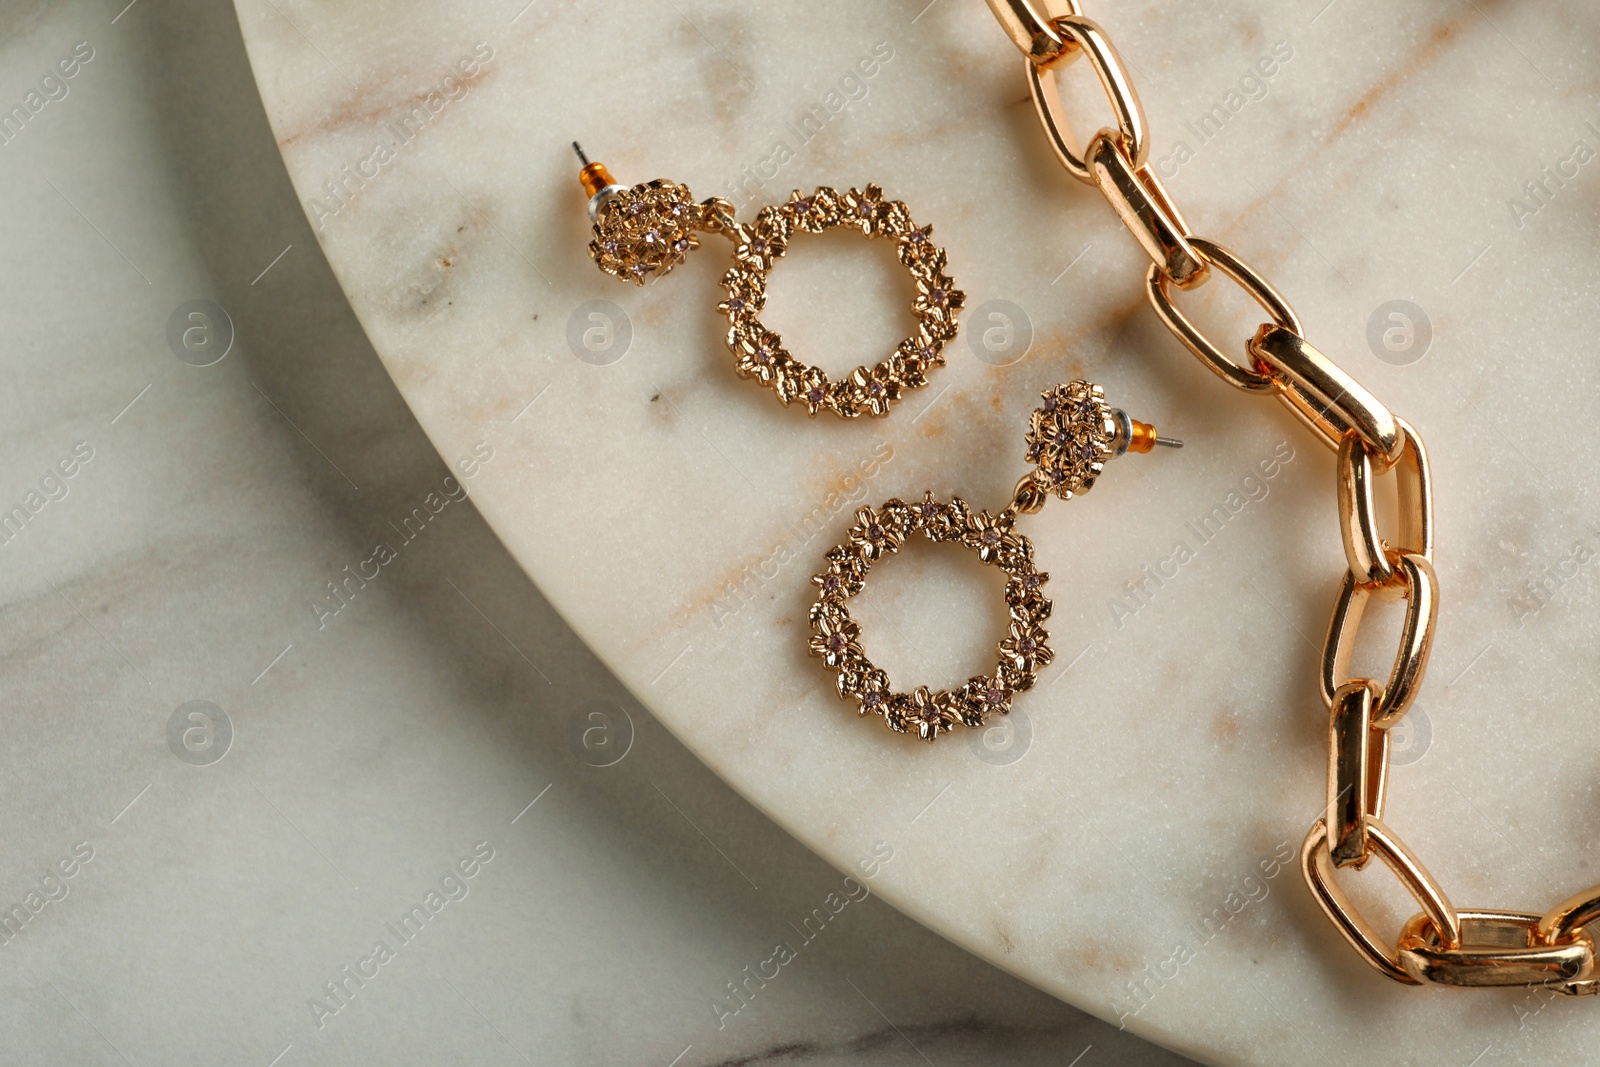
(644, 231)
(1070, 438)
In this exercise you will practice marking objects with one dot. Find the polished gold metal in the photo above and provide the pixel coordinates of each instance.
(1498, 948)
(1141, 202)
(1568, 918)
(1330, 401)
(1358, 761)
(1421, 592)
(1029, 24)
(1503, 947)
(1157, 283)
(1108, 67)
(1070, 438)
(1365, 549)
(643, 232)
(1317, 866)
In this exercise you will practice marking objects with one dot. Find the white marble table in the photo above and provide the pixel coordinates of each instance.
(189, 895)
(1174, 756)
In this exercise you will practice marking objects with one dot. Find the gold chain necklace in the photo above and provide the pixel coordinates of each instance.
(1441, 944)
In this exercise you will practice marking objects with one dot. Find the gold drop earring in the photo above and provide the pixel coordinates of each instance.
(644, 231)
(1070, 438)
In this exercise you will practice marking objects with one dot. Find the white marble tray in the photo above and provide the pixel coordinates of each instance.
(1174, 756)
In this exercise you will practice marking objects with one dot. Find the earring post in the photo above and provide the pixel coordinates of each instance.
(1139, 437)
(595, 179)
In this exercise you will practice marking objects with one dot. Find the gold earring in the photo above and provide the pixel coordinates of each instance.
(1070, 438)
(643, 232)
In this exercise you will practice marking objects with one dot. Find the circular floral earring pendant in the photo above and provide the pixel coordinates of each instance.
(882, 531)
(1069, 440)
(643, 232)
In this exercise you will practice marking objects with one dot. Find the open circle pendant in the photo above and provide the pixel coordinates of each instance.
(883, 531)
(760, 352)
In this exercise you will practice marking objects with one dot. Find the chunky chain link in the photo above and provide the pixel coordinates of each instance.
(1441, 945)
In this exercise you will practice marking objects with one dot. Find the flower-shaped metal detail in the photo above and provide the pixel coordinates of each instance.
(883, 531)
(1070, 437)
(643, 232)
(866, 390)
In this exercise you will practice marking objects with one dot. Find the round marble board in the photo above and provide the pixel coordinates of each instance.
(1415, 179)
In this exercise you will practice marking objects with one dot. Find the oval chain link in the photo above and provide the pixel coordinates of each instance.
(1317, 865)
(1365, 549)
(1219, 362)
(1141, 202)
(1396, 696)
(1085, 35)
(1498, 948)
(1326, 399)
(1439, 945)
